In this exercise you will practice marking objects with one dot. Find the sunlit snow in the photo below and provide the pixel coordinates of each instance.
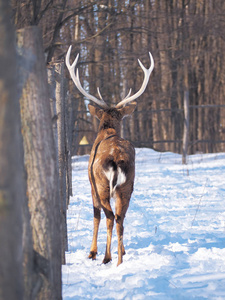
(174, 233)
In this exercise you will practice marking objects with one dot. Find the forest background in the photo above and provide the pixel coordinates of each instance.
(40, 115)
(186, 38)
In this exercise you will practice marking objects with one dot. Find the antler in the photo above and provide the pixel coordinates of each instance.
(147, 73)
(76, 80)
(101, 102)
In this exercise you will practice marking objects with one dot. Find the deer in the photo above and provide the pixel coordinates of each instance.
(111, 167)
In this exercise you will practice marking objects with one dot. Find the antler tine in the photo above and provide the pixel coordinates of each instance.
(147, 73)
(100, 96)
(76, 79)
(128, 94)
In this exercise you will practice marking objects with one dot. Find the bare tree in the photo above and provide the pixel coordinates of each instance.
(40, 163)
(12, 183)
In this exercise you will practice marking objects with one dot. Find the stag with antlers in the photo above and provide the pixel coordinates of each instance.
(111, 167)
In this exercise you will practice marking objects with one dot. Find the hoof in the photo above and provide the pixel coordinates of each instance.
(106, 260)
(92, 255)
(119, 263)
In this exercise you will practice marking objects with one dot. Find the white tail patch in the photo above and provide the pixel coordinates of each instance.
(121, 178)
(109, 175)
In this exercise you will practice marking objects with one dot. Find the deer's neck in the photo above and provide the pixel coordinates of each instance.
(108, 127)
(104, 134)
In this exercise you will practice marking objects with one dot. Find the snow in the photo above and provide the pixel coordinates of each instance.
(174, 233)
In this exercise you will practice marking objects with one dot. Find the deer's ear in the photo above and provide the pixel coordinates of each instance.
(95, 111)
(128, 110)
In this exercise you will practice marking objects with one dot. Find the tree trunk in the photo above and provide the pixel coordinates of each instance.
(12, 184)
(69, 124)
(186, 127)
(60, 109)
(61, 116)
(40, 164)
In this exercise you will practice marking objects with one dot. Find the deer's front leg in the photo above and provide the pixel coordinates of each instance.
(97, 218)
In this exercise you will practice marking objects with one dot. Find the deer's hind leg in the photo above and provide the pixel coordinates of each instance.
(109, 223)
(122, 203)
(97, 218)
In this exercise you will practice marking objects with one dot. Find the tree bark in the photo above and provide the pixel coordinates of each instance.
(68, 124)
(40, 164)
(186, 127)
(12, 183)
(60, 109)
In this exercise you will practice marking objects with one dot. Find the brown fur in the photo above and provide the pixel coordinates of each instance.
(111, 152)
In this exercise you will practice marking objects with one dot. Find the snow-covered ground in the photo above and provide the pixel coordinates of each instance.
(174, 233)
